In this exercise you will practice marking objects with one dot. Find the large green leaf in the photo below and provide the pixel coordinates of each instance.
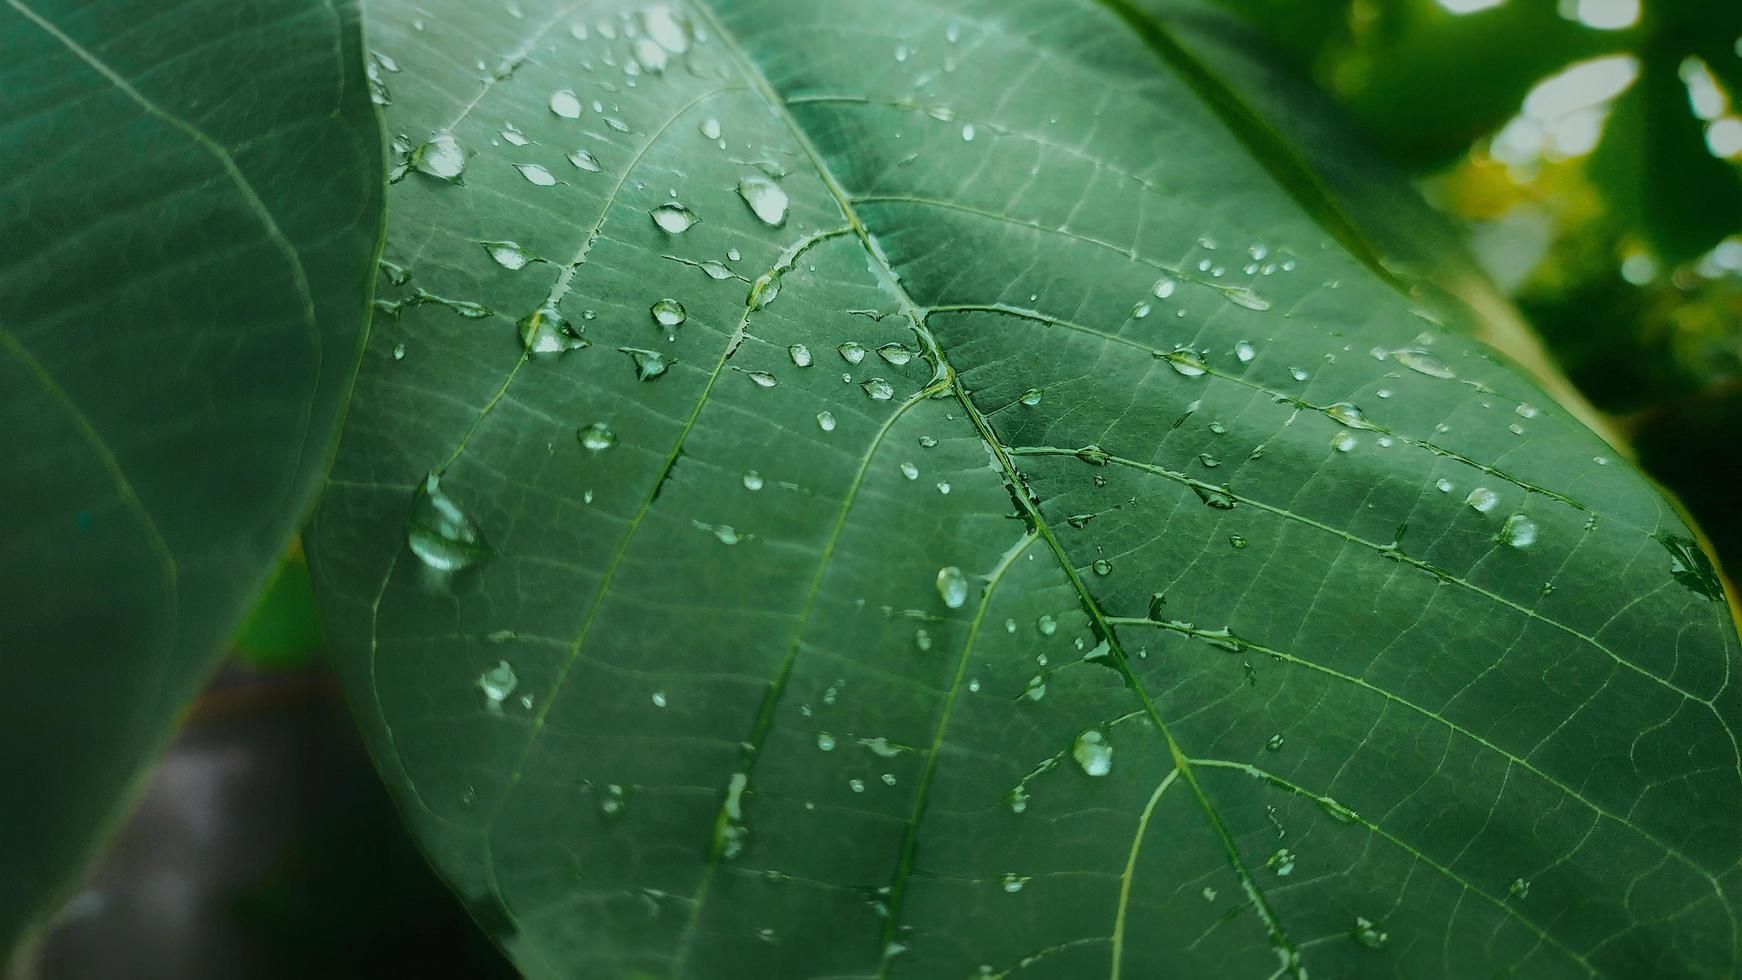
(993, 571)
(191, 198)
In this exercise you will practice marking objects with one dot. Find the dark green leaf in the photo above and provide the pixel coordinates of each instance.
(191, 198)
(1042, 548)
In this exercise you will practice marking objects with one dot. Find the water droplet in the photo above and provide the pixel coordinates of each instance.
(1244, 296)
(399, 352)
(1297, 374)
(825, 741)
(1031, 397)
(1482, 499)
(910, 471)
(879, 389)
(598, 437)
(765, 198)
(762, 378)
(1422, 361)
(1518, 531)
(851, 352)
(668, 312)
(1281, 862)
(1102, 566)
(800, 354)
(649, 364)
(968, 132)
(1443, 485)
(1140, 311)
(497, 683)
(826, 421)
(565, 104)
(1245, 352)
(441, 157)
(1690, 566)
(1343, 442)
(1046, 624)
(674, 218)
(1093, 753)
(1186, 363)
(1013, 882)
(659, 699)
(536, 174)
(439, 533)
(509, 255)
(546, 331)
(1520, 888)
(1369, 934)
(1274, 743)
(752, 480)
(943, 486)
(585, 161)
(1218, 498)
(514, 136)
(895, 354)
(1164, 287)
(710, 128)
(666, 27)
(1348, 415)
(856, 785)
(952, 586)
(727, 534)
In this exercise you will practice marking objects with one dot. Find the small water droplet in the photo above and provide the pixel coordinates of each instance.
(597, 437)
(852, 352)
(800, 354)
(399, 352)
(1368, 933)
(895, 354)
(826, 421)
(1343, 442)
(825, 741)
(710, 128)
(752, 480)
(1281, 862)
(1013, 882)
(968, 132)
(673, 218)
(514, 136)
(1031, 397)
(952, 586)
(879, 389)
(1186, 363)
(856, 785)
(1164, 287)
(1046, 624)
(910, 471)
(584, 161)
(1520, 888)
(1245, 351)
(659, 699)
(1244, 296)
(762, 378)
(765, 198)
(1102, 566)
(1093, 753)
(1274, 743)
(1443, 485)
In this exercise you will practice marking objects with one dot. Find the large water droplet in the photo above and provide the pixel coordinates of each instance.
(497, 683)
(597, 437)
(1245, 351)
(1186, 363)
(765, 198)
(1422, 361)
(895, 354)
(668, 313)
(800, 354)
(565, 104)
(674, 218)
(1348, 415)
(536, 174)
(585, 161)
(649, 364)
(1482, 499)
(852, 352)
(439, 533)
(879, 389)
(509, 255)
(952, 586)
(1518, 531)
(547, 332)
(441, 157)
(1093, 753)
(826, 421)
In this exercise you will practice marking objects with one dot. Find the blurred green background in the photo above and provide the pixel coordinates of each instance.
(1588, 153)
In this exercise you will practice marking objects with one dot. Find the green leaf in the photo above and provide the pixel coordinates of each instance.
(191, 197)
(1045, 550)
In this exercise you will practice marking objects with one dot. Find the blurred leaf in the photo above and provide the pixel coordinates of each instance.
(1656, 172)
(284, 631)
(191, 200)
